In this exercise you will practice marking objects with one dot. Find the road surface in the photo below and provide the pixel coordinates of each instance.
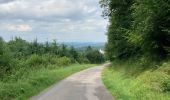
(84, 85)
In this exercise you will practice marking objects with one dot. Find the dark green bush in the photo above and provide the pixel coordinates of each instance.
(94, 56)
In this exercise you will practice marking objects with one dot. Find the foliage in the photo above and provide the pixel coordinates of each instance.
(36, 60)
(83, 59)
(119, 14)
(19, 54)
(137, 27)
(63, 61)
(152, 26)
(152, 84)
(19, 47)
(6, 61)
(138, 44)
(26, 68)
(94, 56)
(34, 81)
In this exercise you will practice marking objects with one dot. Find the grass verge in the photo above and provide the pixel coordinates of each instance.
(35, 81)
(152, 84)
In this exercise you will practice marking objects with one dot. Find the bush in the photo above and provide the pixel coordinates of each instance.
(51, 59)
(63, 61)
(44, 61)
(36, 60)
(83, 60)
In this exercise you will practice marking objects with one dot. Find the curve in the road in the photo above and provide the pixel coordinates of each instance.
(84, 85)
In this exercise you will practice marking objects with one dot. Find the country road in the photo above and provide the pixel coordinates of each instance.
(84, 85)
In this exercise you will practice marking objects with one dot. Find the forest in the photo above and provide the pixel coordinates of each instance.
(139, 47)
(26, 68)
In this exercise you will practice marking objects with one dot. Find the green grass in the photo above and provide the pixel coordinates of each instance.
(151, 84)
(34, 81)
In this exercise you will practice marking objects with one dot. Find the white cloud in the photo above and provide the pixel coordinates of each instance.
(19, 27)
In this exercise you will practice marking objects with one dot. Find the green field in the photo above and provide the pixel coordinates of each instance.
(35, 81)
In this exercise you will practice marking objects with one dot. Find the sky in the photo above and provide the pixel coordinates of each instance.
(47, 20)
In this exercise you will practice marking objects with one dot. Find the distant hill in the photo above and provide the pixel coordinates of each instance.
(83, 45)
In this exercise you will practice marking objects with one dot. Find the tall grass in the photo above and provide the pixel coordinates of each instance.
(150, 84)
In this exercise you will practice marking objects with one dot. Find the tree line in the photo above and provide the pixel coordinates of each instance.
(137, 29)
(20, 54)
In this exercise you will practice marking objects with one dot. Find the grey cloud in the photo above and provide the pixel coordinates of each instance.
(30, 11)
(74, 17)
(6, 1)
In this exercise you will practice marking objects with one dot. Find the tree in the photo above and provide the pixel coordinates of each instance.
(94, 56)
(74, 54)
(19, 47)
(137, 28)
(5, 59)
(55, 48)
(63, 51)
(152, 28)
(119, 14)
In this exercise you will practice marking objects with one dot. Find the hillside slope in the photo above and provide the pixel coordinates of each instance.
(151, 84)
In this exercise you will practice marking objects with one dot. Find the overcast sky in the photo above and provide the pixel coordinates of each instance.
(64, 20)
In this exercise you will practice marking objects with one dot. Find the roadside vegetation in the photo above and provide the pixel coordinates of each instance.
(34, 81)
(27, 68)
(139, 48)
(126, 84)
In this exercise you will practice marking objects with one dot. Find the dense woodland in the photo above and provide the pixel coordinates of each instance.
(138, 29)
(139, 47)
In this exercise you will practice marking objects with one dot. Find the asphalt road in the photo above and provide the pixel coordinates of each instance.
(84, 85)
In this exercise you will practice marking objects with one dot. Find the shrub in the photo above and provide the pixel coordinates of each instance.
(36, 60)
(83, 60)
(63, 61)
